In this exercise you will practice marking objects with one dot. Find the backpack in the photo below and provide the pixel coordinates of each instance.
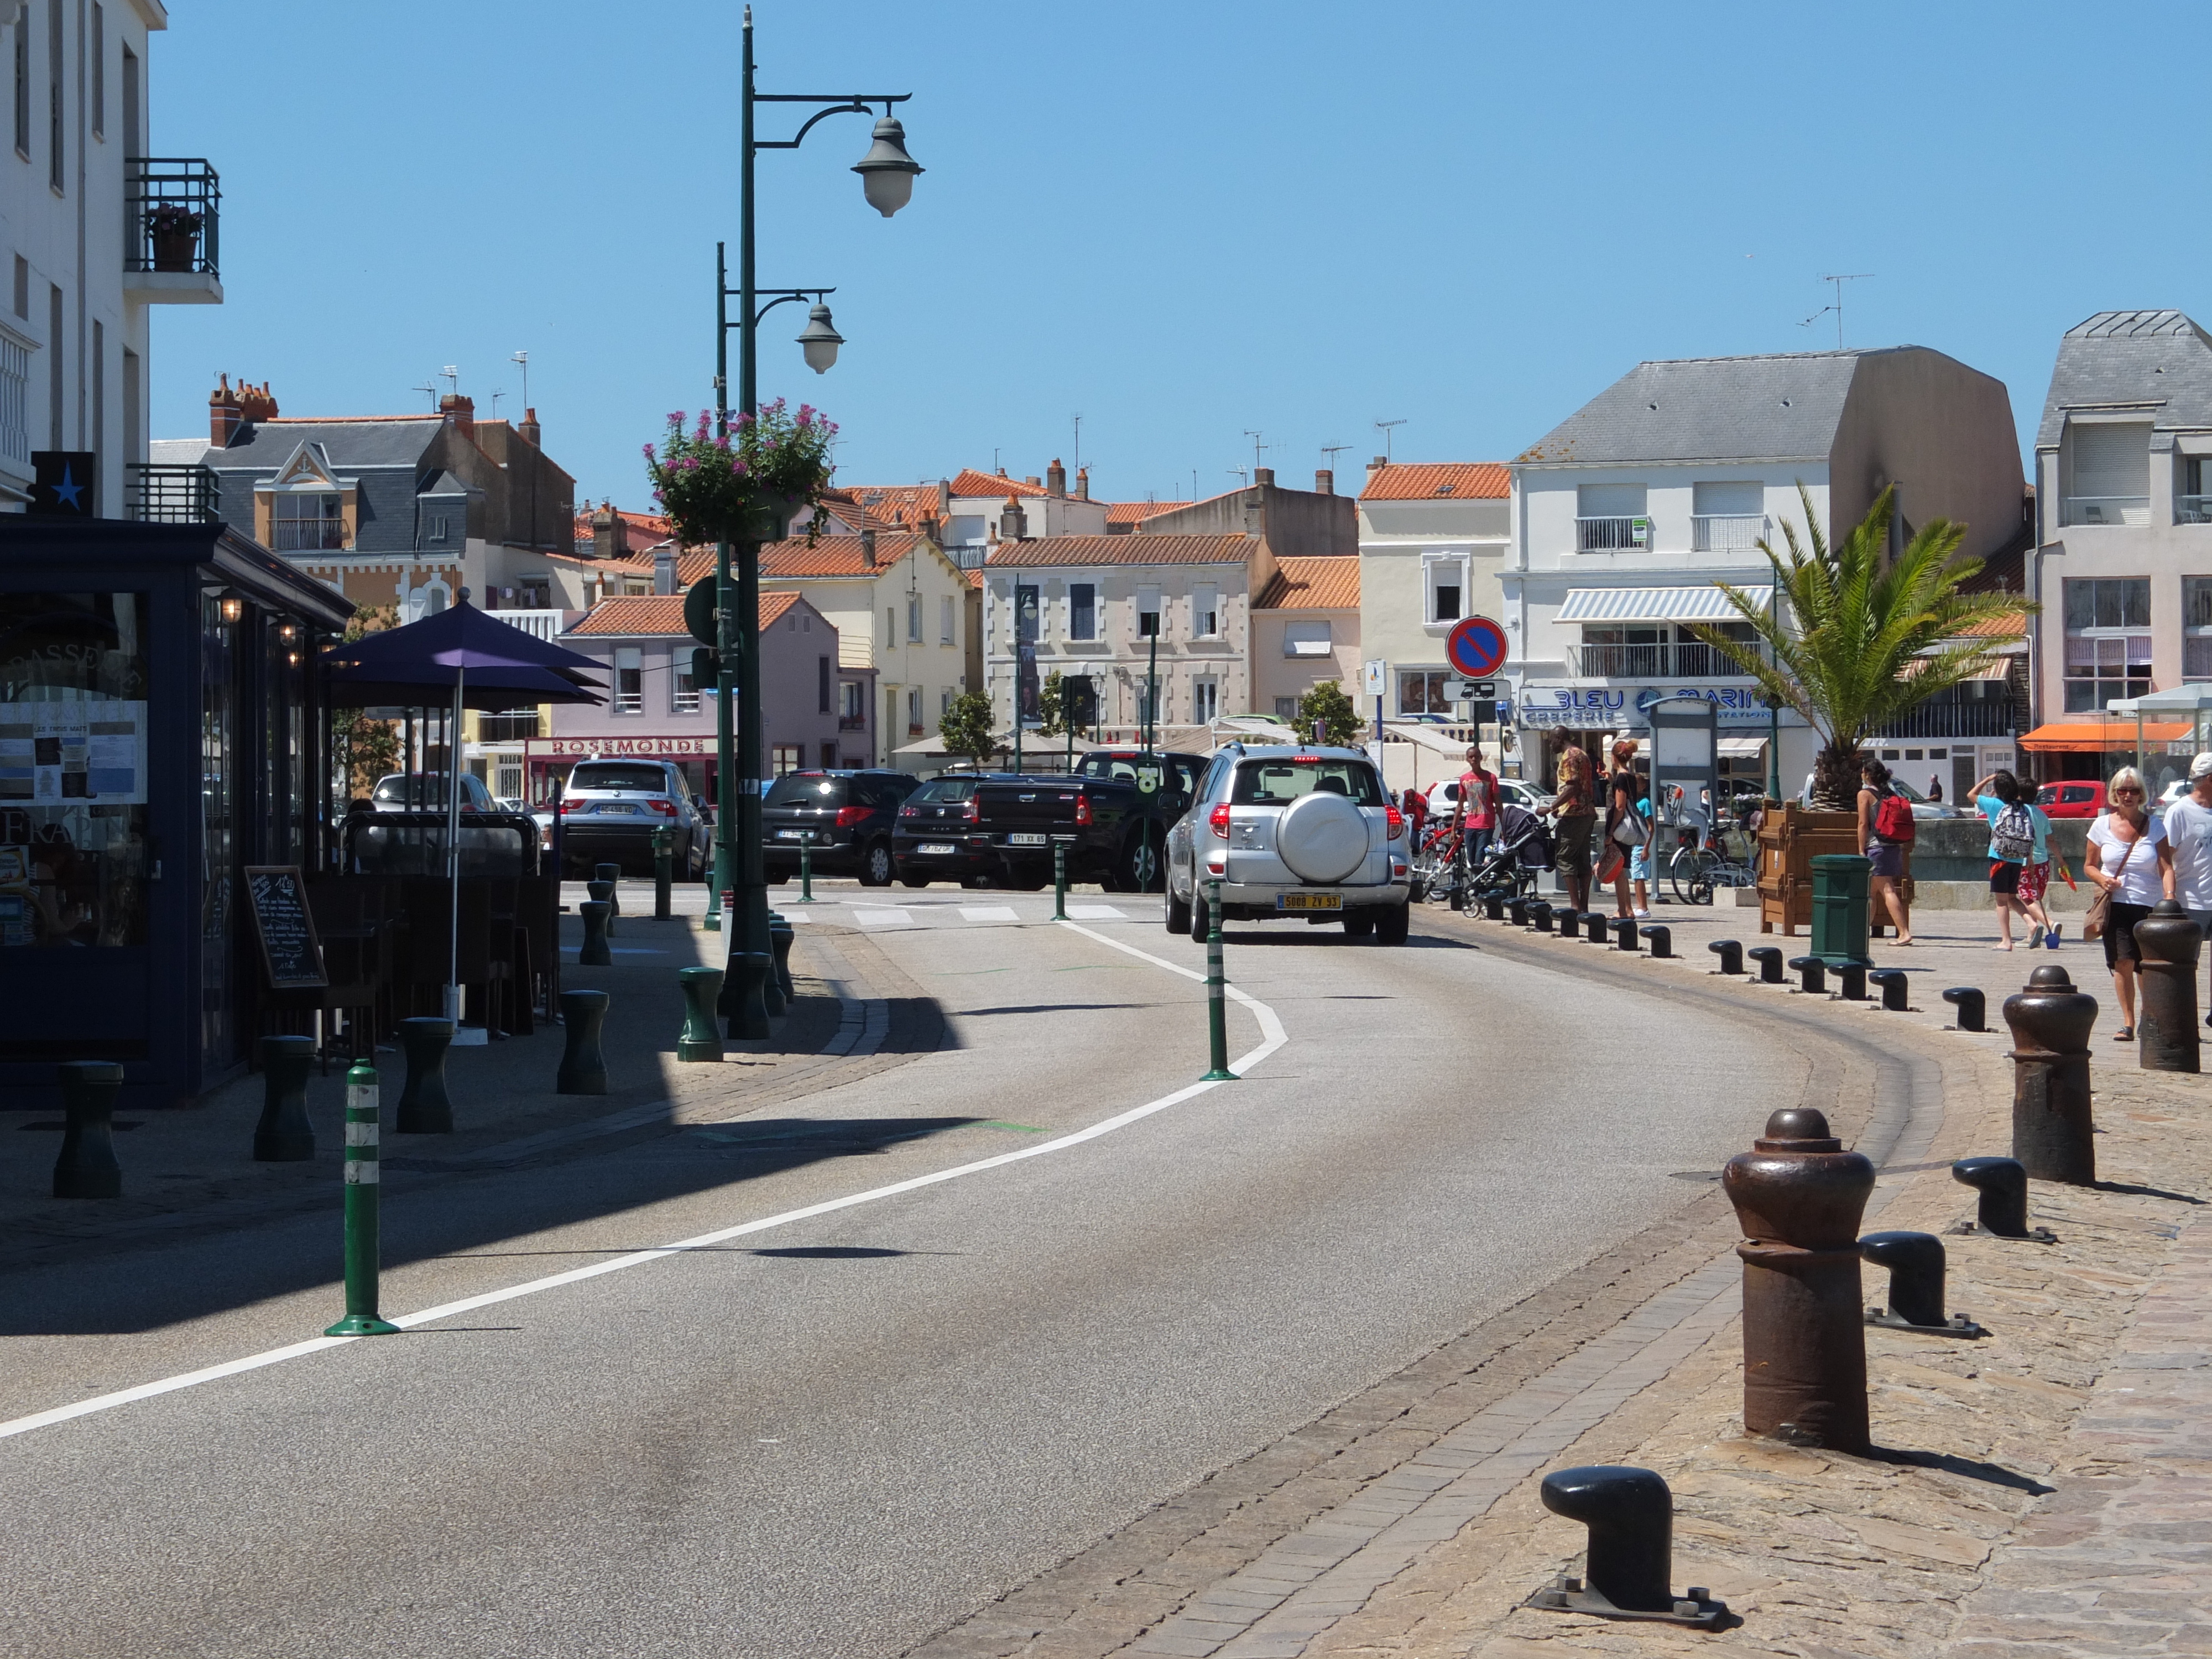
(2011, 836)
(1893, 818)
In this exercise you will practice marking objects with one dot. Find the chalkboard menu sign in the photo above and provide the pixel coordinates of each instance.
(290, 953)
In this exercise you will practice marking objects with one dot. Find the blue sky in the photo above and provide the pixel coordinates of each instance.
(1183, 222)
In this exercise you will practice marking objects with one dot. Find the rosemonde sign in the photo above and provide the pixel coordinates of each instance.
(647, 748)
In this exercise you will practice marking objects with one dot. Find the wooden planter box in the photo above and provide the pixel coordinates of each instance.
(1789, 838)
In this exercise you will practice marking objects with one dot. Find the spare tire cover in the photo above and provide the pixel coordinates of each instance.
(1322, 837)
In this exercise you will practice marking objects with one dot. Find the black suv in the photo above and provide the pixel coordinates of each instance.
(851, 815)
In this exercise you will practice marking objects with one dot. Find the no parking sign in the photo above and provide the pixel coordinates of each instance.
(1476, 648)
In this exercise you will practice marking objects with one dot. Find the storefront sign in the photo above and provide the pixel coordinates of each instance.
(539, 749)
(1588, 708)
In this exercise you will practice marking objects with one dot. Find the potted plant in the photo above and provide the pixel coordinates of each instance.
(746, 485)
(175, 229)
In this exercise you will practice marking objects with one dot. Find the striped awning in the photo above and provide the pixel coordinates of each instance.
(1704, 602)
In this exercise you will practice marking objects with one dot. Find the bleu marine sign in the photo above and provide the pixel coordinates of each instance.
(1586, 707)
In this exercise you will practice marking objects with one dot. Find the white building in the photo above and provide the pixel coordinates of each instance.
(1628, 514)
(97, 234)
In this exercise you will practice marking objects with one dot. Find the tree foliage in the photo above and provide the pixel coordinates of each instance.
(965, 728)
(1327, 703)
(363, 750)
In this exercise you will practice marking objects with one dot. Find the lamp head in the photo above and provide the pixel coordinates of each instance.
(819, 339)
(887, 170)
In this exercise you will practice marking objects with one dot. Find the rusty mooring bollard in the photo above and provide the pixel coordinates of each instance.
(2002, 1211)
(1731, 955)
(1628, 1571)
(1850, 980)
(1768, 958)
(2052, 1134)
(1915, 1262)
(1973, 1006)
(1663, 939)
(1893, 988)
(2167, 1035)
(1540, 915)
(1798, 1197)
(1812, 974)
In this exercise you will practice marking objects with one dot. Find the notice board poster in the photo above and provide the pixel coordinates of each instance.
(56, 753)
(290, 952)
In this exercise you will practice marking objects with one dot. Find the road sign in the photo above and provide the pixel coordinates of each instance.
(1374, 677)
(1476, 646)
(1470, 690)
(699, 611)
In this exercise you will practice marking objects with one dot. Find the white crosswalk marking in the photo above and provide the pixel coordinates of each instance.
(988, 913)
(887, 916)
(1095, 913)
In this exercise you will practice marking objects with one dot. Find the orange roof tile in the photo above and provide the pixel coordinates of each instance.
(997, 485)
(1996, 628)
(793, 560)
(1138, 549)
(661, 614)
(1312, 584)
(1486, 481)
(1137, 512)
(902, 506)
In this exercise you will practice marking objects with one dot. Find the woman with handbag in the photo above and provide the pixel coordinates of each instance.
(1628, 831)
(2125, 861)
(1885, 831)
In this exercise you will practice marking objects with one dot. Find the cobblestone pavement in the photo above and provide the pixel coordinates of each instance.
(2040, 1492)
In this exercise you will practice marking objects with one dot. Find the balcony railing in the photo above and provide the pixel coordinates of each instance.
(2106, 509)
(1612, 535)
(310, 536)
(16, 401)
(2192, 509)
(507, 728)
(161, 494)
(852, 722)
(1983, 717)
(1685, 661)
(1726, 533)
(540, 624)
(173, 209)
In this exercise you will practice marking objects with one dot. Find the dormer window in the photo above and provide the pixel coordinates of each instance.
(310, 521)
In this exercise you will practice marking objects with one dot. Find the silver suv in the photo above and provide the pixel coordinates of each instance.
(1290, 831)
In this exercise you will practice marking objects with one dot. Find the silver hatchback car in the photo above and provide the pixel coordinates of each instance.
(1290, 831)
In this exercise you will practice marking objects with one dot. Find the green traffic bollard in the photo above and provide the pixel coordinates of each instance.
(594, 952)
(664, 871)
(601, 891)
(283, 1135)
(87, 1167)
(1059, 877)
(703, 1036)
(807, 866)
(1217, 992)
(361, 1189)
(583, 1062)
(424, 1107)
(781, 933)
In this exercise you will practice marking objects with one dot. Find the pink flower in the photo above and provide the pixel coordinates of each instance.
(675, 417)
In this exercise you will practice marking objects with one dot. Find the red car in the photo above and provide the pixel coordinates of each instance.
(2085, 800)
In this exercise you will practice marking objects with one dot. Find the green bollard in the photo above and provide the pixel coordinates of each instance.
(781, 933)
(1217, 992)
(1060, 876)
(361, 1189)
(583, 1063)
(594, 952)
(424, 1107)
(772, 983)
(87, 1167)
(807, 866)
(601, 891)
(747, 994)
(703, 1036)
(664, 871)
(283, 1135)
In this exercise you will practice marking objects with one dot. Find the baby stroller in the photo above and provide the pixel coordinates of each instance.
(1521, 850)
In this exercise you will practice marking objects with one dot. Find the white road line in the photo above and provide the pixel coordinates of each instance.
(886, 917)
(988, 913)
(1273, 1036)
(1095, 913)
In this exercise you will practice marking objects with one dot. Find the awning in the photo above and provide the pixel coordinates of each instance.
(1730, 748)
(2099, 737)
(2181, 699)
(1704, 603)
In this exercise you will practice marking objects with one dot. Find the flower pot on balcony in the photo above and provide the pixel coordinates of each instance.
(176, 250)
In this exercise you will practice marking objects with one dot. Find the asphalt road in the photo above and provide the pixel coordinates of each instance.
(840, 1433)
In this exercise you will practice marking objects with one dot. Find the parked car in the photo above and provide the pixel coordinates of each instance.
(1292, 831)
(930, 838)
(1112, 836)
(850, 814)
(1166, 782)
(428, 792)
(1923, 808)
(1443, 796)
(2083, 799)
(609, 810)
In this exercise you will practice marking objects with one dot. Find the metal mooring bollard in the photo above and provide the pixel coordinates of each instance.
(2167, 1035)
(1571, 922)
(1629, 1567)
(603, 892)
(583, 1062)
(1798, 1197)
(664, 871)
(86, 1166)
(1973, 1006)
(594, 952)
(424, 1107)
(1850, 981)
(1663, 939)
(1456, 899)
(1812, 974)
(1540, 915)
(1493, 905)
(2053, 1134)
(1768, 958)
(2001, 1212)
(1915, 1262)
(1730, 951)
(1216, 993)
(745, 988)
(781, 933)
(1624, 934)
(1516, 910)
(702, 1038)
(362, 1247)
(283, 1135)
(1594, 927)
(1893, 988)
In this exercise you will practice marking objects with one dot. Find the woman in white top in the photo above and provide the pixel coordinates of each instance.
(2125, 861)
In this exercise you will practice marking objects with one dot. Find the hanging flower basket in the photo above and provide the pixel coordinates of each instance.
(175, 231)
(747, 484)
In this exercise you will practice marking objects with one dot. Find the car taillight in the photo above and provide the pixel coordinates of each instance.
(1395, 819)
(1082, 811)
(566, 807)
(969, 811)
(665, 807)
(910, 811)
(1219, 819)
(849, 816)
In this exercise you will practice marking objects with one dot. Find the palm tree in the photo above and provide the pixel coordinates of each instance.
(1860, 636)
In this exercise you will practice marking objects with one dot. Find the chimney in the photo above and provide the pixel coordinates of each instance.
(1013, 522)
(1082, 484)
(944, 498)
(1056, 478)
(1324, 482)
(1377, 464)
(461, 409)
(868, 548)
(529, 428)
(604, 525)
(224, 417)
(664, 569)
(1031, 480)
(1264, 476)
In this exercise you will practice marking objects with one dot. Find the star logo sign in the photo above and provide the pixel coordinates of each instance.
(68, 490)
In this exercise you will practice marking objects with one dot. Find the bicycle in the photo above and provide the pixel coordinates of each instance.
(1700, 864)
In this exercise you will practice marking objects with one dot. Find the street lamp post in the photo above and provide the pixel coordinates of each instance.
(887, 174)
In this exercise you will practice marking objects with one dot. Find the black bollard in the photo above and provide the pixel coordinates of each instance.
(2166, 1033)
(1571, 922)
(2053, 1134)
(1731, 955)
(1973, 1006)
(283, 1135)
(1516, 910)
(583, 1062)
(86, 1167)
(781, 933)
(1769, 959)
(2001, 1212)
(1594, 927)
(748, 972)
(424, 1107)
(609, 874)
(1456, 899)
(1850, 980)
(1798, 1197)
(1493, 905)
(594, 952)
(1624, 934)
(1629, 1563)
(702, 1038)
(603, 892)
(664, 871)
(1812, 974)
(1663, 939)
(1893, 988)
(1540, 915)
(1915, 1262)
(771, 983)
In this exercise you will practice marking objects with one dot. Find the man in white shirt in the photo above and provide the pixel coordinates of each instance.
(2187, 853)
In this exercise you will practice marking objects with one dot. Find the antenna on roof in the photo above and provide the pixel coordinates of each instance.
(429, 390)
(1837, 305)
(1257, 447)
(451, 374)
(1330, 452)
(1383, 427)
(523, 357)
(1079, 444)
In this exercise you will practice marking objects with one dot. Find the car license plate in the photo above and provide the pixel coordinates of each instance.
(1020, 838)
(621, 809)
(790, 835)
(935, 846)
(1309, 901)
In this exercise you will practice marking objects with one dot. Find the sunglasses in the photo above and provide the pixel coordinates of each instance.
(2122, 794)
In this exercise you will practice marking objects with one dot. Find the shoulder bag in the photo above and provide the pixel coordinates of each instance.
(2100, 907)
